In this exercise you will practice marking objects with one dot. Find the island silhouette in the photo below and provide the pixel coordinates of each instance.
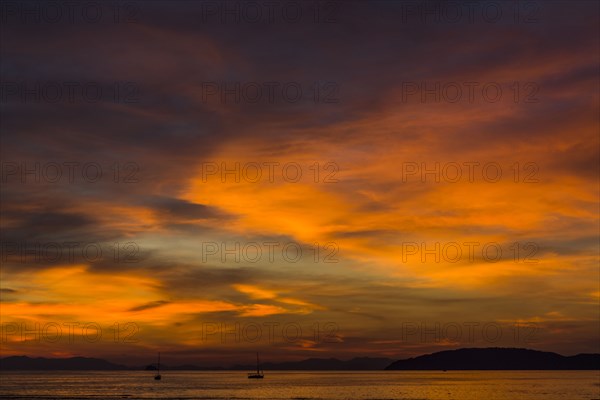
(497, 358)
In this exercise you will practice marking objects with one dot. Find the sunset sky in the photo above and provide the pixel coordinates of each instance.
(333, 185)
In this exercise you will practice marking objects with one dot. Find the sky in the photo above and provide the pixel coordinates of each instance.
(301, 179)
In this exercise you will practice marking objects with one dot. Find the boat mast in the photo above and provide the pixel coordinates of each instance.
(257, 364)
(159, 362)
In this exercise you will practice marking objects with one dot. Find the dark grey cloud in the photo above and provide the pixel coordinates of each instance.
(148, 306)
(175, 209)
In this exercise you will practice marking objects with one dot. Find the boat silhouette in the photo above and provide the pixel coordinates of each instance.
(158, 377)
(258, 374)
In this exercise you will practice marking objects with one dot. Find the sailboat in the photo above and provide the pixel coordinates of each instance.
(157, 376)
(258, 374)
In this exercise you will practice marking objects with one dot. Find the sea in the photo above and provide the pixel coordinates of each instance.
(330, 385)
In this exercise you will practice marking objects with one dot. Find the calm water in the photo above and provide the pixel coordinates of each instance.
(412, 385)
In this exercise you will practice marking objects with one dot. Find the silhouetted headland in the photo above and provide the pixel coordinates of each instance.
(498, 359)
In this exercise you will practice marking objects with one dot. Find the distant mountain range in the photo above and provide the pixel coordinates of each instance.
(324, 364)
(43, 364)
(498, 359)
(82, 363)
(461, 359)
